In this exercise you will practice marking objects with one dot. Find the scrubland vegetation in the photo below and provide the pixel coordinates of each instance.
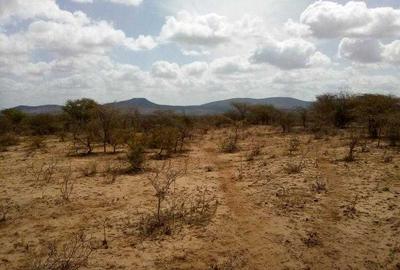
(254, 188)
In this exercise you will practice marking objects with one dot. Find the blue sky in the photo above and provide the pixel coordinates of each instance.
(191, 51)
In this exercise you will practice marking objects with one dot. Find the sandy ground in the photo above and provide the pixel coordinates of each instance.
(267, 218)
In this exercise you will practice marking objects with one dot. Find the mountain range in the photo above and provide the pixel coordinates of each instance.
(145, 106)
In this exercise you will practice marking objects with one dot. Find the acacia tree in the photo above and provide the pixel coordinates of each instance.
(374, 111)
(81, 121)
(332, 111)
(108, 121)
(15, 118)
(242, 109)
(184, 125)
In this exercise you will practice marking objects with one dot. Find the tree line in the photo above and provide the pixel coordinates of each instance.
(90, 124)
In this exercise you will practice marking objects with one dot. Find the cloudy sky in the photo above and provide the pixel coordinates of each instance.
(195, 51)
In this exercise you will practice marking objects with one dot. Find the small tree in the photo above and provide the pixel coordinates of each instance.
(393, 129)
(81, 121)
(136, 155)
(353, 142)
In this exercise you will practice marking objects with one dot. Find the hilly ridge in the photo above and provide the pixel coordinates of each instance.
(145, 106)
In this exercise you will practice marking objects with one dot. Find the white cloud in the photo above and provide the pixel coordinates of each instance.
(327, 19)
(360, 50)
(231, 65)
(141, 43)
(121, 2)
(47, 9)
(391, 52)
(200, 34)
(288, 54)
(297, 29)
(65, 33)
(206, 30)
(195, 68)
(82, 1)
(166, 70)
(127, 2)
(370, 51)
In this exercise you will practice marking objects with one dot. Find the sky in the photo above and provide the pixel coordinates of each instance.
(182, 52)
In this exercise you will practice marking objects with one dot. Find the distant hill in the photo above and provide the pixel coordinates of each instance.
(146, 107)
(40, 109)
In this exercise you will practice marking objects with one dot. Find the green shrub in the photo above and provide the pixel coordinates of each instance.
(136, 155)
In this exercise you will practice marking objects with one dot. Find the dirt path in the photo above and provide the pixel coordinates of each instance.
(251, 228)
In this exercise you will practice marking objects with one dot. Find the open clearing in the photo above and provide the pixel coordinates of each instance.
(329, 215)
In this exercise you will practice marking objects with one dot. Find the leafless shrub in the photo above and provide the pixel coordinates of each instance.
(319, 186)
(350, 210)
(161, 180)
(240, 170)
(312, 239)
(111, 172)
(72, 255)
(173, 208)
(190, 208)
(8, 139)
(229, 144)
(67, 185)
(5, 207)
(197, 207)
(90, 169)
(294, 167)
(387, 158)
(44, 172)
(254, 152)
(353, 142)
(294, 144)
(36, 143)
(105, 225)
(233, 262)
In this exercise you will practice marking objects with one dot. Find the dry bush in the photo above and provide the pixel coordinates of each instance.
(350, 210)
(161, 180)
(387, 158)
(111, 172)
(235, 261)
(186, 208)
(90, 169)
(197, 207)
(37, 142)
(293, 167)
(5, 207)
(44, 173)
(254, 152)
(173, 208)
(8, 139)
(353, 142)
(230, 143)
(319, 186)
(240, 170)
(294, 144)
(312, 239)
(72, 255)
(67, 185)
